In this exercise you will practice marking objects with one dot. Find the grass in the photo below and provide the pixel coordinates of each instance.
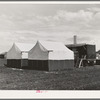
(74, 79)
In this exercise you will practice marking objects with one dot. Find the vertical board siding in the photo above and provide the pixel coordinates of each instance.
(91, 52)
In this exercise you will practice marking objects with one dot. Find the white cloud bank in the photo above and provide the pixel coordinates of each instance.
(59, 27)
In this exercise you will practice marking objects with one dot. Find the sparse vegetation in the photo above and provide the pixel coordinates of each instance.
(75, 79)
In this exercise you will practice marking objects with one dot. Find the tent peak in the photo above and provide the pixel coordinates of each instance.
(25, 46)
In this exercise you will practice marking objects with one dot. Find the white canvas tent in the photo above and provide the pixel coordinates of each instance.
(46, 55)
(17, 56)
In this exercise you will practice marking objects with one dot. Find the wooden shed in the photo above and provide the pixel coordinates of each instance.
(85, 53)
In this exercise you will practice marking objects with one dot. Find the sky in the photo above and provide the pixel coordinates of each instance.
(27, 23)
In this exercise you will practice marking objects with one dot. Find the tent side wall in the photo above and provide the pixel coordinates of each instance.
(14, 63)
(38, 64)
(17, 63)
(60, 64)
(50, 65)
(24, 63)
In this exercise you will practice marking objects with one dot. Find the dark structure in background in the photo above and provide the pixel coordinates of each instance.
(84, 54)
(98, 57)
(3, 60)
(3, 55)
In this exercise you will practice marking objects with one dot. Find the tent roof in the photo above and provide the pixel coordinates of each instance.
(25, 47)
(53, 46)
(47, 50)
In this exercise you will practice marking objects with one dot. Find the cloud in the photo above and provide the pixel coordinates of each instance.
(60, 19)
(58, 27)
(94, 9)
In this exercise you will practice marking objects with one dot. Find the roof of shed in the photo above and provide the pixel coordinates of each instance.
(77, 45)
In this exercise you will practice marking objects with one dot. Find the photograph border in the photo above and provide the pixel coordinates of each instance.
(49, 95)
